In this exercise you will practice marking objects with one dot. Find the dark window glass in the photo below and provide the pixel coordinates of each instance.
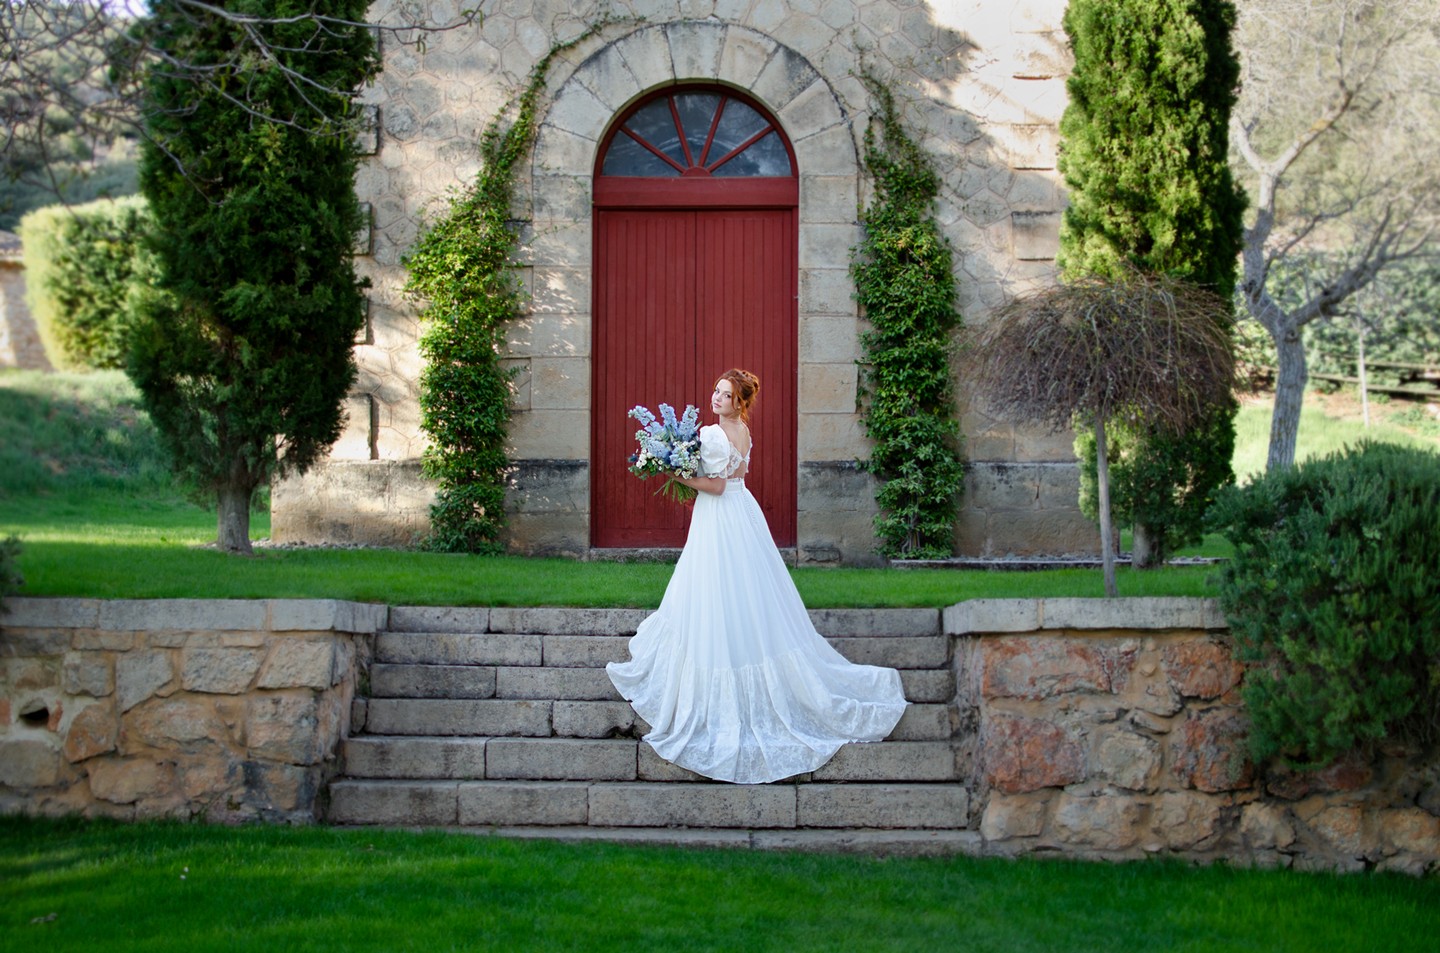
(713, 126)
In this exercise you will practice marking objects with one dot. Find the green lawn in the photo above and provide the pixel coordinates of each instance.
(1321, 434)
(97, 545)
(82, 482)
(73, 885)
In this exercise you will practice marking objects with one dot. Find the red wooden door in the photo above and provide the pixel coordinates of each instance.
(681, 296)
(695, 272)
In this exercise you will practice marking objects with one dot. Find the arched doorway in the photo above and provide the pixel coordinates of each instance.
(695, 270)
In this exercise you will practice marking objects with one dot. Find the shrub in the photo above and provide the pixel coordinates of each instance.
(1164, 482)
(1333, 595)
(904, 281)
(80, 263)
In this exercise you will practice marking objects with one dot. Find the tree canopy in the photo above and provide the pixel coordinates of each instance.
(1145, 157)
(243, 349)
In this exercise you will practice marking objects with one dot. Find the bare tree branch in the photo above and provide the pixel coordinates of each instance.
(1354, 182)
(71, 74)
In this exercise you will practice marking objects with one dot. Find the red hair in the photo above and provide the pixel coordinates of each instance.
(745, 388)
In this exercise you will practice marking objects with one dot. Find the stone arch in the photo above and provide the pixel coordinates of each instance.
(820, 130)
(682, 52)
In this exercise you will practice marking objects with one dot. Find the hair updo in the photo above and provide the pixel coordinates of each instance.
(746, 388)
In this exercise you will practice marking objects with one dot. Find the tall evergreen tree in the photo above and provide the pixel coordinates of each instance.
(243, 350)
(1145, 157)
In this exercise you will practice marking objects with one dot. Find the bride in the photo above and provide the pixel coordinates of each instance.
(729, 672)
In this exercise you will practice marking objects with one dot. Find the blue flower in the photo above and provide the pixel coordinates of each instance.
(669, 447)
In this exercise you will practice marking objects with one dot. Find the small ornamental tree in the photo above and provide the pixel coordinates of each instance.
(1145, 158)
(904, 282)
(1144, 350)
(243, 349)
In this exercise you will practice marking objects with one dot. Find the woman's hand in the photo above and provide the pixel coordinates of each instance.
(712, 485)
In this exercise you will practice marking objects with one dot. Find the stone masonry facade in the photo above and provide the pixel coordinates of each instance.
(20, 344)
(1089, 728)
(981, 83)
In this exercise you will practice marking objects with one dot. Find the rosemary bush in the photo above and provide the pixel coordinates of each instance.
(1332, 595)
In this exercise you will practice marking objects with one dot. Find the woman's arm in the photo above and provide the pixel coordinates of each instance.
(713, 485)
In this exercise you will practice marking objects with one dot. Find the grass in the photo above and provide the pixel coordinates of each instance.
(1329, 423)
(106, 546)
(76, 885)
(84, 484)
(100, 517)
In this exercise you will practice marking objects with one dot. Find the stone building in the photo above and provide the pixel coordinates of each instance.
(691, 204)
(20, 344)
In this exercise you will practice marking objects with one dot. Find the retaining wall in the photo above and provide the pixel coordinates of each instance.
(1085, 727)
(230, 710)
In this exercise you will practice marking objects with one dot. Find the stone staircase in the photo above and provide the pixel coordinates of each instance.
(504, 721)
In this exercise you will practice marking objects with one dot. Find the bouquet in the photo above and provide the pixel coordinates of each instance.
(668, 448)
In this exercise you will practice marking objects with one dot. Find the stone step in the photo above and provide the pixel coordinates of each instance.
(456, 716)
(591, 651)
(570, 718)
(622, 622)
(609, 805)
(613, 759)
(391, 680)
(908, 842)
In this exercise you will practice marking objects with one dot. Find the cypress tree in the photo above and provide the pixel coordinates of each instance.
(243, 348)
(1145, 157)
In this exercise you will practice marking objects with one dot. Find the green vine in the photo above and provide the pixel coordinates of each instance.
(463, 268)
(904, 283)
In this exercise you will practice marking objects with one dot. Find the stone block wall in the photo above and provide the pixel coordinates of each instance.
(1115, 729)
(982, 84)
(20, 344)
(227, 710)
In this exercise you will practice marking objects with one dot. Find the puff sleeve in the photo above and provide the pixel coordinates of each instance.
(714, 451)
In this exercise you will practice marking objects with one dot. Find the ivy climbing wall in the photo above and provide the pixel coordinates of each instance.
(981, 86)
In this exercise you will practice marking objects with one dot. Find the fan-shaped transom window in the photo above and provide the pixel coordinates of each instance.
(697, 133)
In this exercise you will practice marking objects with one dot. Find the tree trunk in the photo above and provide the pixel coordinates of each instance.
(1364, 376)
(1290, 378)
(1147, 549)
(1107, 532)
(232, 533)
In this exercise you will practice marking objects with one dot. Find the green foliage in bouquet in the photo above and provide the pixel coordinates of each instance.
(1333, 595)
(904, 281)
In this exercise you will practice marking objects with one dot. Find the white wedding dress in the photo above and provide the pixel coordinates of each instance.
(729, 672)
